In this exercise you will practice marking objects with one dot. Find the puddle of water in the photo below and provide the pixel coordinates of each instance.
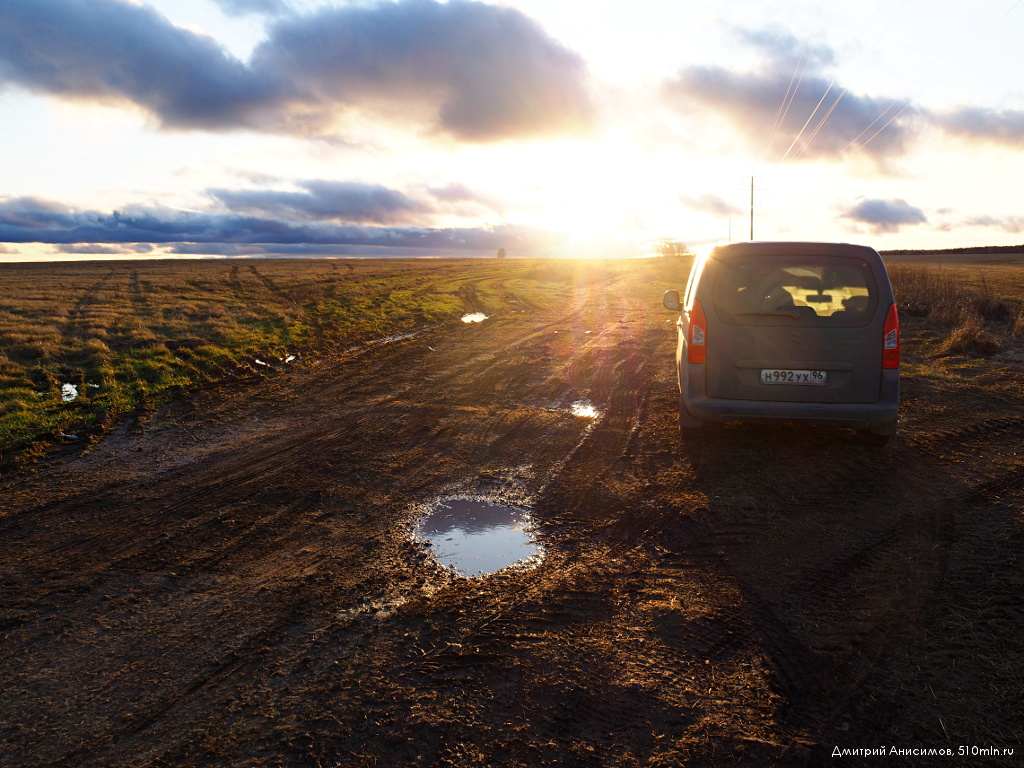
(474, 317)
(584, 409)
(474, 537)
(68, 392)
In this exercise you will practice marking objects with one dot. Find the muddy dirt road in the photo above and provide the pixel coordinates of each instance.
(231, 581)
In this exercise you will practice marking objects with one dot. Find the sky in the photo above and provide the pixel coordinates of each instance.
(161, 128)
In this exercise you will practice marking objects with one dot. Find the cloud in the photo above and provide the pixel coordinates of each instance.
(474, 71)
(32, 220)
(490, 72)
(341, 201)
(752, 101)
(455, 193)
(1004, 127)
(884, 216)
(783, 51)
(461, 200)
(712, 204)
(1011, 224)
(117, 51)
(242, 7)
(126, 249)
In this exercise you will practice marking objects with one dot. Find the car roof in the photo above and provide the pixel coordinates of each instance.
(795, 248)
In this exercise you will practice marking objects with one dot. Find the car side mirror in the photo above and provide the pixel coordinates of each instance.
(671, 301)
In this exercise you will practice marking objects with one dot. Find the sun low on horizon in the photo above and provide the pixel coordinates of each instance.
(421, 128)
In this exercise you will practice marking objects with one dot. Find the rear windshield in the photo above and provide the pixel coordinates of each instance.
(818, 291)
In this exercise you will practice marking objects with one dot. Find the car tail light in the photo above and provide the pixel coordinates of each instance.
(696, 347)
(891, 334)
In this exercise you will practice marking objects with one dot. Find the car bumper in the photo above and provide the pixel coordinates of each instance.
(880, 417)
(876, 417)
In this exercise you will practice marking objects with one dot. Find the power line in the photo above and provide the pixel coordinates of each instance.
(787, 100)
(835, 103)
(934, 80)
(811, 117)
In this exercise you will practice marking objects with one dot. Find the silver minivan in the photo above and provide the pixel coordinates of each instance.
(777, 331)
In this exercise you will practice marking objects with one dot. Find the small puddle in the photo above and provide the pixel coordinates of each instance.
(584, 409)
(474, 317)
(68, 392)
(474, 537)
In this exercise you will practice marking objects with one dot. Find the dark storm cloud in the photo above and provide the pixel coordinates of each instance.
(751, 101)
(491, 72)
(113, 50)
(31, 220)
(884, 216)
(708, 203)
(1005, 127)
(304, 250)
(475, 71)
(127, 249)
(242, 7)
(342, 201)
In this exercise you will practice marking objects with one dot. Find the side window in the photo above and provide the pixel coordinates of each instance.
(691, 285)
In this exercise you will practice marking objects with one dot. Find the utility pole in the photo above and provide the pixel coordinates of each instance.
(751, 207)
(753, 180)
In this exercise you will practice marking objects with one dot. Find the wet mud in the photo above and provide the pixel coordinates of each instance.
(232, 580)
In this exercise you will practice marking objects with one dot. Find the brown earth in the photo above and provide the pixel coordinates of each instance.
(230, 580)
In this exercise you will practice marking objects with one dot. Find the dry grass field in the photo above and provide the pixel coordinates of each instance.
(220, 570)
(123, 334)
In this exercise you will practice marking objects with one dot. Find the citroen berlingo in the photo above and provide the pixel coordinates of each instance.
(789, 331)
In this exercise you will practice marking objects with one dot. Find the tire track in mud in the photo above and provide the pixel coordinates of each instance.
(271, 456)
(820, 610)
(714, 503)
(267, 282)
(219, 480)
(78, 316)
(599, 577)
(244, 652)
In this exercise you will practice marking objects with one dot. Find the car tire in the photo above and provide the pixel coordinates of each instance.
(871, 439)
(690, 434)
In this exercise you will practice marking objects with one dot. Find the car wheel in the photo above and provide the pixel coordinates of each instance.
(871, 439)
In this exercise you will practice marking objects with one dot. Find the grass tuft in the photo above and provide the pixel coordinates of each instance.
(969, 339)
(1017, 330)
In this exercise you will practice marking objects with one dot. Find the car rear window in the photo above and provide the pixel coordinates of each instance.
(819, 291)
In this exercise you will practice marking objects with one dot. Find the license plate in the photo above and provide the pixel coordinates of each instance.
(797, 378)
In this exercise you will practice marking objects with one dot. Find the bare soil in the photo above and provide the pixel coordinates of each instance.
(230, 580)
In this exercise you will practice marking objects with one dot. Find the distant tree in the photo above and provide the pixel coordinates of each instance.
(501, 253)
(673, 250)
